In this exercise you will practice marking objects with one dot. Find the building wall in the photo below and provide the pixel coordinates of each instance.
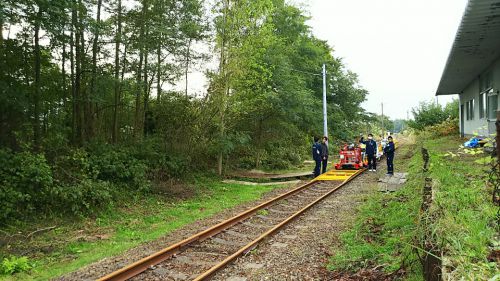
(496, 75)
(475, 125)
(479, 126)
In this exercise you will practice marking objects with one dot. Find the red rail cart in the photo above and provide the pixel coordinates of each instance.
(351, 157)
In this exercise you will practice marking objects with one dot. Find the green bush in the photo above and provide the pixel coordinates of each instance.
(446, 128)
(118, 165)
(430, 113)
(246, 162)
(79, 181)
(283, 156)
(26, 181)
(73, 167)
(277, 163)
(160, 163)
(14, 265)
(76, 183)
(175, 166)
(85, 197)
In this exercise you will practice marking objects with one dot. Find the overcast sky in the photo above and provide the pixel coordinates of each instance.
(397, 47)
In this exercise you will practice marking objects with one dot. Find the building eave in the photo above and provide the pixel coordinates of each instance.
(476, 46)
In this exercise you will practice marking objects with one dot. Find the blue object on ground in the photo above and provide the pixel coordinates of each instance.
(472, 143)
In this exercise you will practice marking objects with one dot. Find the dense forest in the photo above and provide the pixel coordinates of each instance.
(88, 111)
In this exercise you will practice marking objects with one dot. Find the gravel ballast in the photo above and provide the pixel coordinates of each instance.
(301, 249)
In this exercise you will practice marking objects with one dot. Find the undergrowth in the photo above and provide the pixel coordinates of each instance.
(464, 226)
(383, 231)
(386, 232)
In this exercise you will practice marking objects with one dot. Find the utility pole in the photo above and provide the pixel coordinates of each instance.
(325, 125)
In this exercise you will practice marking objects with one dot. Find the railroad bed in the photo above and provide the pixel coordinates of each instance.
(203, 254)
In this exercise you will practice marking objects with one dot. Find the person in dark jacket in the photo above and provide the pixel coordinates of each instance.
(324, 153)
(316, 153)
(371, 152)
(389, 154)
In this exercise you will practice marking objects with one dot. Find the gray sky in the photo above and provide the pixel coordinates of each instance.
(397, 47)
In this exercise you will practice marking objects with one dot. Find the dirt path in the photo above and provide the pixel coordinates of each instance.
(301, 249)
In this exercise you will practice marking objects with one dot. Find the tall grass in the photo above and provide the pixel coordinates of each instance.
(387, 233)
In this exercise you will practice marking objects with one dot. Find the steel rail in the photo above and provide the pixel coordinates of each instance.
(142, 265)
(252, 244)
(156, 258)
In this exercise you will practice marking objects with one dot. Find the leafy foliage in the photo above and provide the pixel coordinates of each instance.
(26, 181)
(431, 113)
(14, 264)
(77, 184)
(275, 85)
(446, 128)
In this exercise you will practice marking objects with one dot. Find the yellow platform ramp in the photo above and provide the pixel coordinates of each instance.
(337, 175)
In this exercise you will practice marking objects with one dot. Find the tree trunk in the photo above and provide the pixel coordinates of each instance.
(160, 11)
(158, 71)
(36, 98)
(1, 24)
(138, 121)
(146, 90)
(259, 145)
(1, 29)
(74, 101)
(90, 110)
(86, 112)
(186, 71)
(225, 80)
(124, 63)
(122, 75)
(138, 96)
(63, 70)
(78, 70)
(114, 133)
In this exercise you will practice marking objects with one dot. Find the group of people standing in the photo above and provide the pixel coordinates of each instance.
(371, 149)
(320, 154)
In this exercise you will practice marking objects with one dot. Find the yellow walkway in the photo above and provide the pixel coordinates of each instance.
(337, 175)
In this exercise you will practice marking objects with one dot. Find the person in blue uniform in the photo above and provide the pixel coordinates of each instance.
(389, 154)
(316, 153)
(324, 154)
(371, 152)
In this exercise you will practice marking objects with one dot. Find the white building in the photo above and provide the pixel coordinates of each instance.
(473, 67)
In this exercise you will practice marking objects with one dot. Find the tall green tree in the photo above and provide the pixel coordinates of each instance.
(432, 113)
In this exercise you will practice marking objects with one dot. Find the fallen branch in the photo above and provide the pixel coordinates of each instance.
(39, 231)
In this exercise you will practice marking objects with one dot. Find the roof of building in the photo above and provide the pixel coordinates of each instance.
(476, 46)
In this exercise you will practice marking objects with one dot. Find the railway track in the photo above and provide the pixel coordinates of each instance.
(200, 256)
